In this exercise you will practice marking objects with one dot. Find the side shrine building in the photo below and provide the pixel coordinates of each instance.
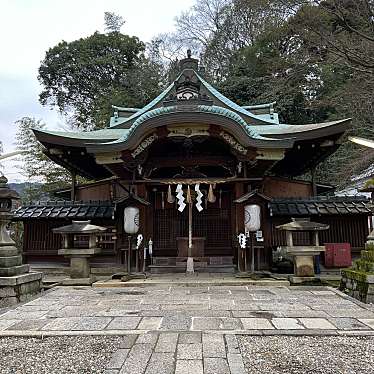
(195, 164)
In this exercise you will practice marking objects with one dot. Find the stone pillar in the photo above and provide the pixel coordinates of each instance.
(17, 284)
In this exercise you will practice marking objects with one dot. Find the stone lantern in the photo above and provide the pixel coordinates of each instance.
(303, 255)
(17, 284)
(80, 272)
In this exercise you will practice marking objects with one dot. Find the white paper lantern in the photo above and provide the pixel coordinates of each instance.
(131, 220)
(252, 217)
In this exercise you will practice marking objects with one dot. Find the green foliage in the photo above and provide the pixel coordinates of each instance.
(85, 77)
(275, 68)
(36, 166)
(113, 22)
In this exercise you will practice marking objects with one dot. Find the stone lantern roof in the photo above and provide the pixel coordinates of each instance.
(5, 191)
(302, 224)
(79, 227)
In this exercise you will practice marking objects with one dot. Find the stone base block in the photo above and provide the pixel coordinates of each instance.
(8, 250)
(19, 288)
(303, 280)
(14, 270)
(78, 281)
(20, 279)
(304, 266)
(128, 277)
(9, 261)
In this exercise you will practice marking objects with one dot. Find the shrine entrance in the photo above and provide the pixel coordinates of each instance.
(212, 227)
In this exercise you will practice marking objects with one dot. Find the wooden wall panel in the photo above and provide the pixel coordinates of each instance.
(278, 187)
(95, 192)
(343, 229)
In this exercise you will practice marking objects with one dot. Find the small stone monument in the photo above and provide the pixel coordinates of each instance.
(17, 283)
(80, 271)
(303, 255)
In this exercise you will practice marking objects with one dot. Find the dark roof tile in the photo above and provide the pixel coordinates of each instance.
(70, 210)
(319, 206)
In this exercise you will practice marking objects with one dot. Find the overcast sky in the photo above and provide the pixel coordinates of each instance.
(28, 28)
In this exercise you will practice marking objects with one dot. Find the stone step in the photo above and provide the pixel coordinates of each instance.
(14, 270)
(9, 261)
(209, 260)
(164, 269)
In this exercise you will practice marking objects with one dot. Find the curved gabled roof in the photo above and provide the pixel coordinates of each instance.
(149, 106)
(303, 131)
(226, 102)
(208, 114)
(78, 138)
(219, 111)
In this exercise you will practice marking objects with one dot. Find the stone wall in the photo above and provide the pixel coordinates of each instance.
(358, 281)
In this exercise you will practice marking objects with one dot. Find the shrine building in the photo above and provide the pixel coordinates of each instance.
(194, 164)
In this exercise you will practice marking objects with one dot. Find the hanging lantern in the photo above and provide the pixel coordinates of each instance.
(189, 198)
(170, 198)
(162, 200)
(131, 220)
(252, 217)
(211, 197)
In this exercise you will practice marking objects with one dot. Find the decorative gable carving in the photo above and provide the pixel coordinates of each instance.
(187, 91)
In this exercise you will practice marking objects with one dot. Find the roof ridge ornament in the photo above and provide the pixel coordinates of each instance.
(189, 62)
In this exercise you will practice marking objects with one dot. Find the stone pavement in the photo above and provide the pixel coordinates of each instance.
(180, 329)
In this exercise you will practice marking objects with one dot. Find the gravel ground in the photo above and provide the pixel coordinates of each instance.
(307, 355)
(56, 354)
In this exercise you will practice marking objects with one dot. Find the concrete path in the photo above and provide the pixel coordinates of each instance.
(179, 329)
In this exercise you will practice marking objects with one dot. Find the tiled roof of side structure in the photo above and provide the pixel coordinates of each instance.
(67, 210)
(347, 205)
(199, 108)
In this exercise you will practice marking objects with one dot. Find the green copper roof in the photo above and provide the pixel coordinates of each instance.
(124, 109)
(88, 135)
(149, 106)
(231, 104)
(114, 122)
(294, 129)
(213, 109)
(259, 106)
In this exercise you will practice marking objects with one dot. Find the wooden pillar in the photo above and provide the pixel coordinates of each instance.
(314, 185)
(239, 209)
(239, 224)
(144, 217)
(73, 185)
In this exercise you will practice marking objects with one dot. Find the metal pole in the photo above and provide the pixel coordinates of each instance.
(129, 257)
(252, 255)
(137, 259)
(144, 258)
(190, 269)
(189, 229)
